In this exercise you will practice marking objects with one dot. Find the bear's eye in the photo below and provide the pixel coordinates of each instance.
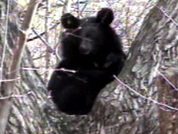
(91, 36)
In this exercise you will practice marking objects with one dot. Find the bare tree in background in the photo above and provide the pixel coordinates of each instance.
(13, 44)
(142, 100)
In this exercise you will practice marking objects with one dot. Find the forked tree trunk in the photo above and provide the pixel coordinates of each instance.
(151, 70)
(154, 56)
(145, 100)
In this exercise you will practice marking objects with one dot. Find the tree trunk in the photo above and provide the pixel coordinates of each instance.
(29, 95)
(144, 102)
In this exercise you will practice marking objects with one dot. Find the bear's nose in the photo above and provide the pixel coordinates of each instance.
(84, 50)
(85, 47)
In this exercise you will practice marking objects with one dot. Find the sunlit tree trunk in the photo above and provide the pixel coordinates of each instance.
(145, 100)
(149, 93)
(142, 99)
(150, 70)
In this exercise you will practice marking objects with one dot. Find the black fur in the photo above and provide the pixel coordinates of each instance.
(91, 48)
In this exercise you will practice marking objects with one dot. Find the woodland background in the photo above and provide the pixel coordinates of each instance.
(143, 99)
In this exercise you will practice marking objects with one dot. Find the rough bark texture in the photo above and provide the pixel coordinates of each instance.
(26, 114)
(14, 69)
(121, 110)
(168, 93)
(118, 110)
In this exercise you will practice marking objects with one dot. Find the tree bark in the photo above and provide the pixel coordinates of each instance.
(26, 103)
(144, 102)
(139, 104)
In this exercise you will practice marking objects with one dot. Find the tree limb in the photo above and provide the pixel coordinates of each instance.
(14, 68)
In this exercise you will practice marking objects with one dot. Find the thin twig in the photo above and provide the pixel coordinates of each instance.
(16, 95)
(144, 97)
(168, 16)
(9, 80)
(43, 40)
(168, 81)
(39, 69)
(41, 34)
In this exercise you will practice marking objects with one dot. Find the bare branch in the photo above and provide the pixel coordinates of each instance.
(16, 95)
(60, 69)
(43, 40)
(5, 104)
(168, 16)
(168, 81)
(41, 34)
(144, 97)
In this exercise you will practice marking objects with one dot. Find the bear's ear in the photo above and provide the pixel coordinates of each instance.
(69, 21)
(105, 16)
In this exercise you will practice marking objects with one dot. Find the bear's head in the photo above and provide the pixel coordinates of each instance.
(95, 34)
(104, 16)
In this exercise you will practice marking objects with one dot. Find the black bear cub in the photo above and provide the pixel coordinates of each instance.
(92, 49)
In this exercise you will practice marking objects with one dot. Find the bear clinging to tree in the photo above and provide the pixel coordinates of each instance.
(93, 50)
